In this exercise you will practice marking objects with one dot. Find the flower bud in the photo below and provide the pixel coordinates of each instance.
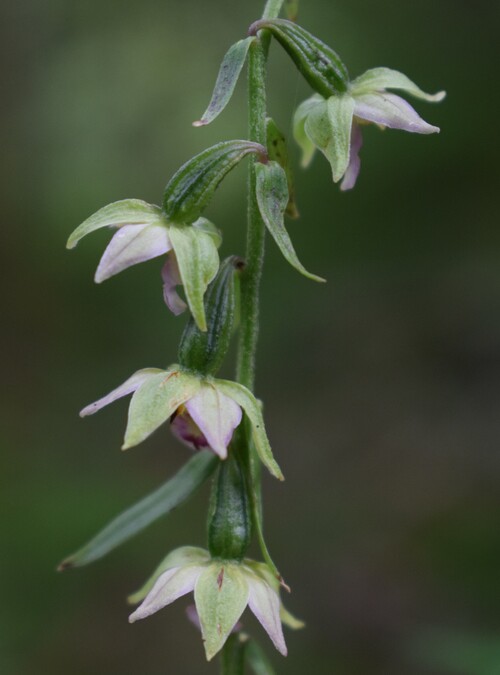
(229, 525)
(192, 187)
(204, 351)
(318, 63)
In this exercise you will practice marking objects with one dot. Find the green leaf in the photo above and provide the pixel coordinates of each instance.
(329, 128)
(229, 73)
(155, 401)
(292, 9)
(299, 133)
(319, 64)
(379, 79)
(124, 212)
(244, 398)
(272, 197)
(209, 228)
(192, 187)
(198, 262)
(257, 659)
(278, 151)
(181, 557)
(139, 516)
(221, 595)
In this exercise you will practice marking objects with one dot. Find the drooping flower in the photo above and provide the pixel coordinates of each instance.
(333, 125)
(203, 411)
(143, 233)
(222, 591)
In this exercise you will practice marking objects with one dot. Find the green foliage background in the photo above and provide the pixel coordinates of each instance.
(381, 387)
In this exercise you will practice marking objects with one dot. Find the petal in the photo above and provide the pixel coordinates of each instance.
(127, 387)
(155, 401)
(171, 585)
(265, 604)
(171, 279)
(221, 595)
(299, 133)
(181, 557)
(329, 127)
(216, 415)
(391, 111)
(351, 175)
(379, 79)
(185, 429)
(132, 244)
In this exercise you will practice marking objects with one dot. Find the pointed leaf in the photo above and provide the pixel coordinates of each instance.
(139, 516)
(299, 133)
(250, 405)
(185, 555)
(192, 187)
(329, 128)
(155, 401)
(272, 197)
(264, 602)
(221, 595)
(124, 212)
(229, 73)
(378, 79)
(198, 262)
(257, 659)
(292, 9)
(278, 151)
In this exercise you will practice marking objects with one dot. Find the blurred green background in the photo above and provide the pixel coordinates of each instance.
(381, 387)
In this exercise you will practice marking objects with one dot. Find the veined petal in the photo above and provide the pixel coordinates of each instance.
(221, 595)
(171, 585)
(265, 604)
(246, 400)
(299, 133)
(117, 214)
(391, 111)
(352, 172)
(155, 401)
(132, 244)
(171, 279)
(379, 79)
(328, 126)
(130, 385)
(216, 415)
(181, 557)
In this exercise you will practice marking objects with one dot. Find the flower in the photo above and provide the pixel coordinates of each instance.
(333, 125)
(222, 590)
(203, 411)
(143, 233)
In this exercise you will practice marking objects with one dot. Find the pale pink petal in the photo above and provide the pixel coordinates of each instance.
(124, 389)
(185, 429)
(265, 604)
(216, 415)
(391, 111)
(352, 172)
(171, 585)
(132, 244)
(172, 278)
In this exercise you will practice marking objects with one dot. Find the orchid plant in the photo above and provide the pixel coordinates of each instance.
(222, 421)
